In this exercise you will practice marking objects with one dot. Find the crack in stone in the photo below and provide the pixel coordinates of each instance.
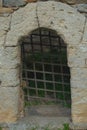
(5, 39)
(37, 15)
(83, 31)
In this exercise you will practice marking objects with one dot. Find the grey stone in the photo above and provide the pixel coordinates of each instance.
(82, 8)
(78, 83)
(2, 38)
(84, 38)
(14, 3)
(9, 57)
(24, 15)
(78, 77)
(9, 77)
(5, 23)
(69, 1)
(79, 74)
(64, 19)
(23, 22)
(68, 23)
(77, 55)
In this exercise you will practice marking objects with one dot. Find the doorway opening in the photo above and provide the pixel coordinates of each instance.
(45, 73)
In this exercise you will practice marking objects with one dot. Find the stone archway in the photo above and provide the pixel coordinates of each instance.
(71, 26)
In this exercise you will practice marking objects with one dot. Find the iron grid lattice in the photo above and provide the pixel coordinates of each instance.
(44, 67)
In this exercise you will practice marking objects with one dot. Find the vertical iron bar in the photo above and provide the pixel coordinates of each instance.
(62, 70)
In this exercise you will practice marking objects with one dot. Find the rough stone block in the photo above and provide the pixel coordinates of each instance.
(79, 83)
(9, 77)
(68, 23)
(79, 74)
(2, 38)
(5, 23)
(79, 78)
(24, 14)
(22, 24)
(14, 3)
(77, 55)
(84, 41)
(5, 11)
(9, 57)
(9, 101)
(69, 1)
(2, 33)
(82, 8)
(79, 105)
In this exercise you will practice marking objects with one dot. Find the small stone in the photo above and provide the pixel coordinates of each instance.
(82, 8)
(69, 1)
(13, 3)
(5, 10)
(81, 1)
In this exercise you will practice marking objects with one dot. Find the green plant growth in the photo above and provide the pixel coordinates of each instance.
(0, 128)
(49, 127)
(65, 127)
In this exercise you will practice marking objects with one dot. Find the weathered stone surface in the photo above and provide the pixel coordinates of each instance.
(69, 1)
(81, 1)
(9, 101)
(1, 3)
(84, 39)
(78, 84)
(5, 11)
(13, 3)
(82, 8)
(77, 55)
(74, 1)
(23, 22)
(2, 38)
(79, 105)
(79, 78)
(70, 25)
(9, 57)
(2, 33)
(64, 19)
(79, 74)
(24, 14)
(9, 77)
(5, 23)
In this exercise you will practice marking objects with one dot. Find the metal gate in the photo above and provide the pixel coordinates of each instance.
(44, 67)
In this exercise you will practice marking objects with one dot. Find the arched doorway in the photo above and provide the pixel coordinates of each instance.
(45, 72)
(71, 26)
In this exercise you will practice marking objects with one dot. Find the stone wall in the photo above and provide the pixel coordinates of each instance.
(71, 26)
(17, 3)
